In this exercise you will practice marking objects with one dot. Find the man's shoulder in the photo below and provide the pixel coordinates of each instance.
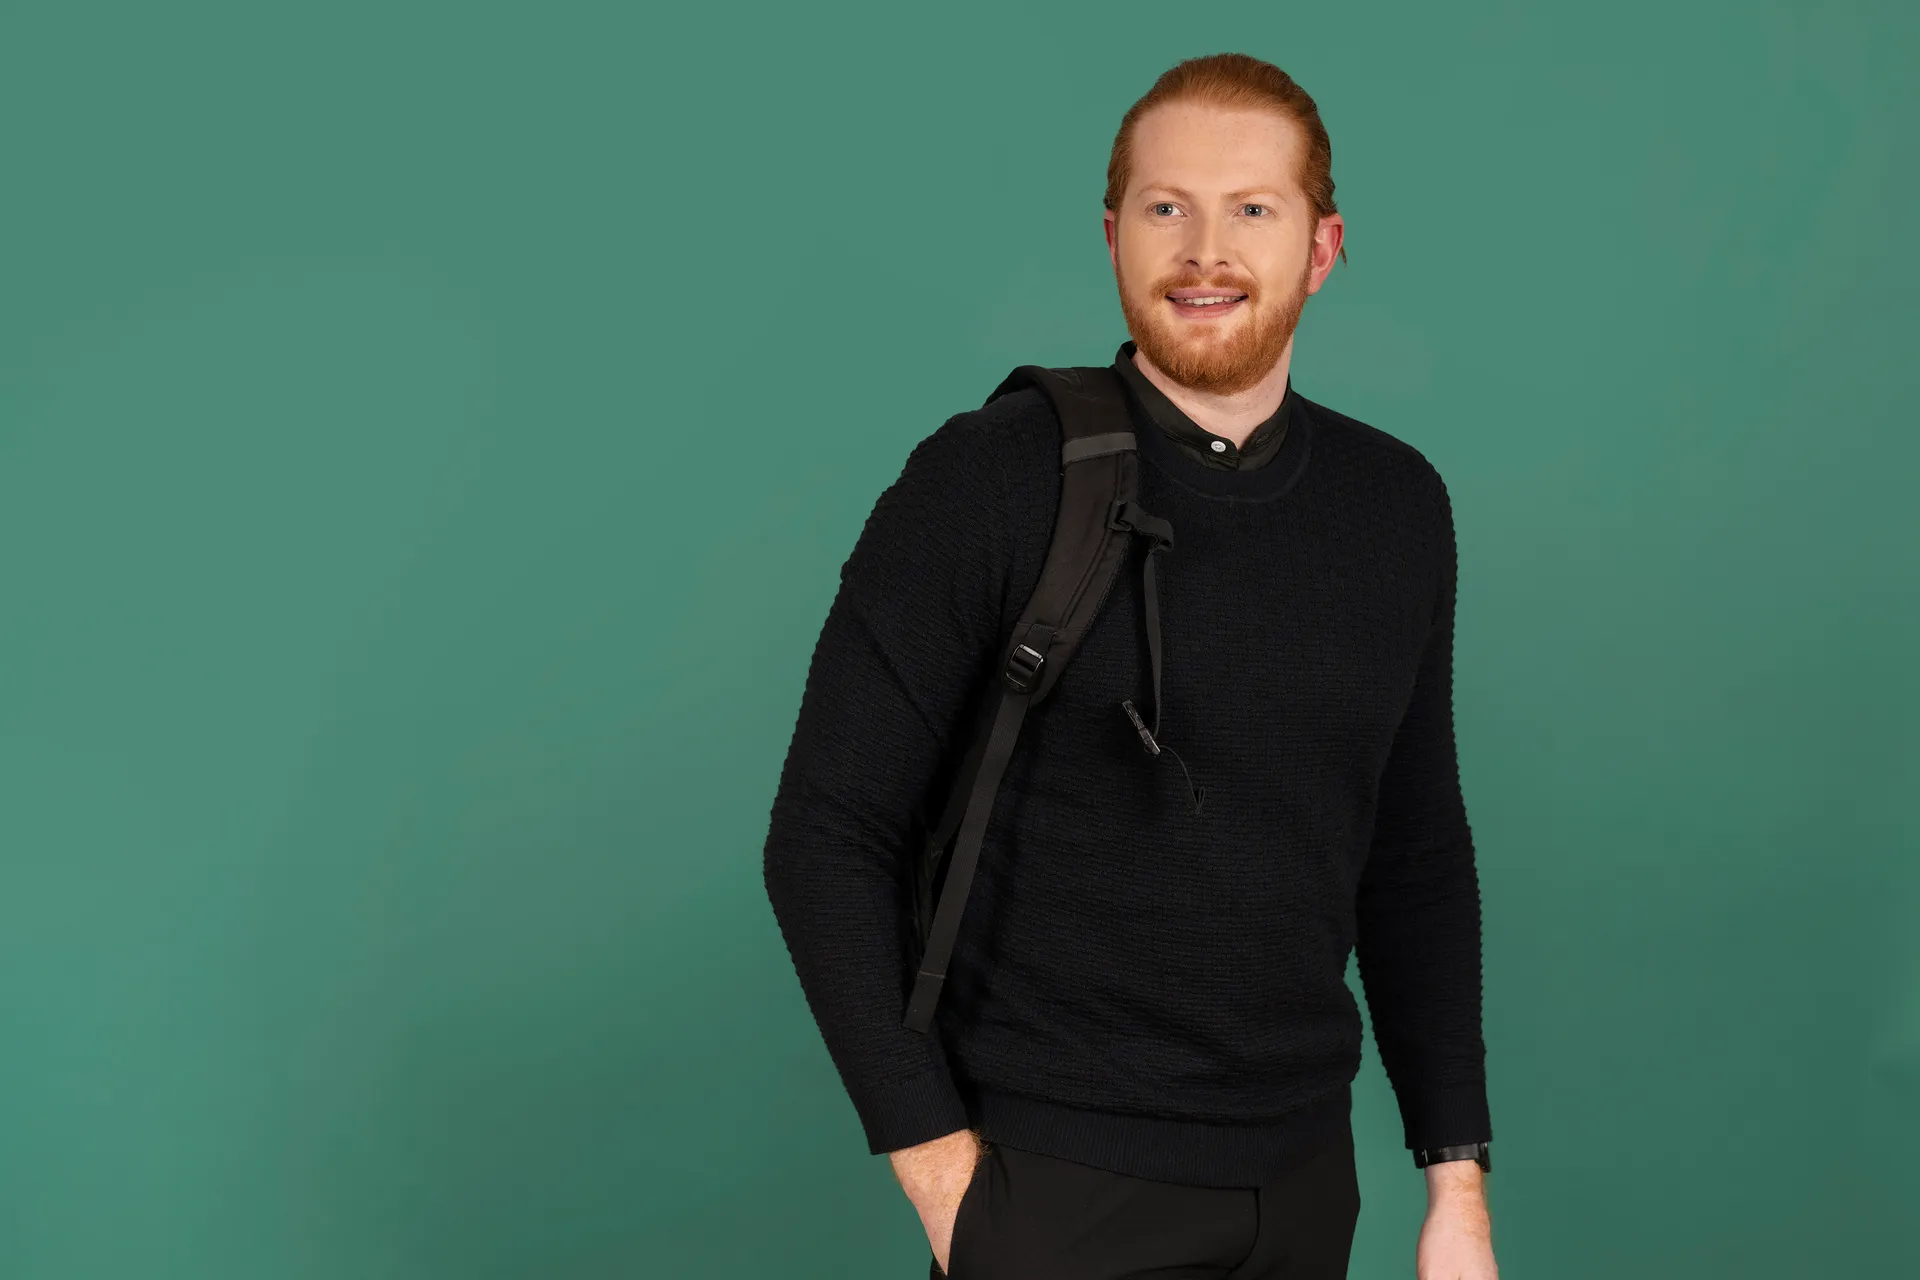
(1341, 429)
(1371, 447)
(1015, 435)
(1023, 417)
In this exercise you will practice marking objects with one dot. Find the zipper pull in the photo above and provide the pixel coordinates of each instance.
(1140, 726)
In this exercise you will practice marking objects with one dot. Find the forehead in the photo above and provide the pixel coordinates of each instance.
(1201, 148)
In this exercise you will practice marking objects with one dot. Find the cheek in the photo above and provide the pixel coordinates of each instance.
(1279, 261)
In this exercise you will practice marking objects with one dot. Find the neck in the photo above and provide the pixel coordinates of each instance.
(1233, 416)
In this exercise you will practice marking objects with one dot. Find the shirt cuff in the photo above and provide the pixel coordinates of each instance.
(1447, 1116)
(911, 1110)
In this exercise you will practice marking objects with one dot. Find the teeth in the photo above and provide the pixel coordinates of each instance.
(1205, 302)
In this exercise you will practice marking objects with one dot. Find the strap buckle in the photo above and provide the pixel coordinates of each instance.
(1023, 667)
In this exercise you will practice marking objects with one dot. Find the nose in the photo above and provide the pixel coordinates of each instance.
(1207, 242)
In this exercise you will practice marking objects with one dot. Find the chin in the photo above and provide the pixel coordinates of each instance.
(1203, 336)
(1221, 342)
(1198, 335)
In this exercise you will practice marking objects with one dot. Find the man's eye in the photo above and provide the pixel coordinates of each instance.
(1259, 208)
(1157, 207)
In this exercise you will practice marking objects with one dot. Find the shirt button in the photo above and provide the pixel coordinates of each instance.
(1219, 446)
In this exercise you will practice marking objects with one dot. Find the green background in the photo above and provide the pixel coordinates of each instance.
(429, 436)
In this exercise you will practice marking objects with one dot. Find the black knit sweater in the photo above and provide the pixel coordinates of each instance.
(1136, 985)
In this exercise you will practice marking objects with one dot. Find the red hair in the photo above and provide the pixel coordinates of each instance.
(1234, 81)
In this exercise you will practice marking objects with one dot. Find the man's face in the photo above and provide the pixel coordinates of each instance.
(1214, 210)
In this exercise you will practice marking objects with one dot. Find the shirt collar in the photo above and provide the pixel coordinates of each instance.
(1199, 443)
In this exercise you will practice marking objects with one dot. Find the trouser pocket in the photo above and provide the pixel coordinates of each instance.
(971, 1206)
(1029, 1216)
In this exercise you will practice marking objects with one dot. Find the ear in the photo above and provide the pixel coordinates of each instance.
(1328, 237)
(1113, 243)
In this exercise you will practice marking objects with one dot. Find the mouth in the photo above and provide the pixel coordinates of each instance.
(1206, 304)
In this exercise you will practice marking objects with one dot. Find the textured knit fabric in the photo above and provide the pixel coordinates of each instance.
(1209, 447)
(1137, 986)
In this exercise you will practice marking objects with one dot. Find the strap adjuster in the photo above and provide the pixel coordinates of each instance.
(1128, 517)
(1023, 667)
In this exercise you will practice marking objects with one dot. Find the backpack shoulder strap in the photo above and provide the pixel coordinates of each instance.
(1099, 470)
(1099, 474)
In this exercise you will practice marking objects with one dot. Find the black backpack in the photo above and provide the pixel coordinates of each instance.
(1093, 533)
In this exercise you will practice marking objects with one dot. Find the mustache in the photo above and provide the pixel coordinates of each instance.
(1189, 280)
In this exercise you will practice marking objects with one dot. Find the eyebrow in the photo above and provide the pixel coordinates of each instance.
(1231, 195)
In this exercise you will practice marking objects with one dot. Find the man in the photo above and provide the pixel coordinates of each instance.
(1141, 1065)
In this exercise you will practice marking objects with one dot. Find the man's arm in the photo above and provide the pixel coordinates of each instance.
(1419, 948)
(1419, 904)
(910, 632)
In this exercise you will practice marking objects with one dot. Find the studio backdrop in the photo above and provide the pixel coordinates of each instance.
(429, 438)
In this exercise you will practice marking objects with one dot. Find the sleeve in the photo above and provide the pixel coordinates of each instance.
(913, 625)
(1418, 905)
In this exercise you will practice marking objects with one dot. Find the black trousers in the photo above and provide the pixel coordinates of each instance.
(1027, 1216)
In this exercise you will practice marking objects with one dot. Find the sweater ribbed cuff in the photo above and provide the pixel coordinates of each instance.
(1446, 1115)
(909, 1111)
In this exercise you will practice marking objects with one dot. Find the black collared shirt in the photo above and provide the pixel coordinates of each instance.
(1195, 440)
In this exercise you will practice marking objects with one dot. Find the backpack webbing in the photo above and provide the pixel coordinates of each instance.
(1093, 531)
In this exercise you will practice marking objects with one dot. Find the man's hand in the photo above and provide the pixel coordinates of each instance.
(1458, 1236)
(935, 1176)
(1456, 1240)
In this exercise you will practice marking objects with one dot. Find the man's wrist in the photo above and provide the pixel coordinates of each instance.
(1455, 1182)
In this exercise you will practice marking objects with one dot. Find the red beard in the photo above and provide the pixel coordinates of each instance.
(1218, 363)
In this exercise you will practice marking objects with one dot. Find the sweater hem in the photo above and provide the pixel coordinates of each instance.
(1194, 1152)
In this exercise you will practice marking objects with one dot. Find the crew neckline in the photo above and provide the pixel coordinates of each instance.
(1211, 448)
(1258, 484)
